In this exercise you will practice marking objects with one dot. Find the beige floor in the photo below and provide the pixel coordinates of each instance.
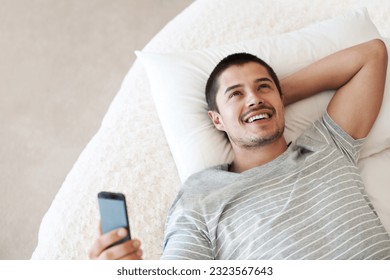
(61, 64)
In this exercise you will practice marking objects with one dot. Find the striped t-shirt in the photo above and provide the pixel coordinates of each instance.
(308, 203)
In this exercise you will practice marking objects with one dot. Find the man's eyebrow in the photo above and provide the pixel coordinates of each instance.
(263, 79)
(233, 87)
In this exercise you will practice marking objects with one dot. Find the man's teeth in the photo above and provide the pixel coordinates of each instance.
(258, 117)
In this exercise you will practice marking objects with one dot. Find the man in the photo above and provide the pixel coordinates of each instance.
(279, 201)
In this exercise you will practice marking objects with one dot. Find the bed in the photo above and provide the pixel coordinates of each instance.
(156, 132)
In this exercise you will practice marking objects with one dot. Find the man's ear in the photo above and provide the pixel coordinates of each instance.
(216, 119)
(284, 100)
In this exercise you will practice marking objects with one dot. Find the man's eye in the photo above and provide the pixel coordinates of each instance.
(235, 93)
(264, 86)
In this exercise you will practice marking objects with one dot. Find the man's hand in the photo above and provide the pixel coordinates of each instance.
(129, 250)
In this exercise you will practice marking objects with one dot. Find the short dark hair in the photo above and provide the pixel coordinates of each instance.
(212, 84)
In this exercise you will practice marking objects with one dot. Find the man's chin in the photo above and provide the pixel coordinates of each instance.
(258, 141)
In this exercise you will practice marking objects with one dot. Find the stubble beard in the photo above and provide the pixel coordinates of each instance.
(256, 141)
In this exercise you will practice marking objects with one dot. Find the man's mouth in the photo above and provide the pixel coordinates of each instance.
(258, 117)
(258, 114)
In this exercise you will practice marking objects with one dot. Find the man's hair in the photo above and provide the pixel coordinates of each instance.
(236, 59)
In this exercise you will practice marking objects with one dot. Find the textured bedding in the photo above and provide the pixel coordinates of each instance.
(130, 153)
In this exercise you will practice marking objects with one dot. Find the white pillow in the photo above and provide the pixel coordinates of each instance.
(178, 80)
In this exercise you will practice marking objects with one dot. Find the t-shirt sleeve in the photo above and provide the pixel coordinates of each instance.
(347, 144)
(186, 235)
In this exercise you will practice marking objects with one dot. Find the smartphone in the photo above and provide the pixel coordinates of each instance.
(113, 213)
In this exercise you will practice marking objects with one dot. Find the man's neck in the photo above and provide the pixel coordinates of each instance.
(248, 158)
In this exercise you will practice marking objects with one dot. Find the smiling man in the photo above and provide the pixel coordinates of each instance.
(278, 201)
(250, 109)
(303, 200)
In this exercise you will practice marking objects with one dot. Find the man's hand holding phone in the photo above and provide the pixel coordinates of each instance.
(128, 250)
(114, 242)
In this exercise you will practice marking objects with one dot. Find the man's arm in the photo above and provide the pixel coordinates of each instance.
(357, 74)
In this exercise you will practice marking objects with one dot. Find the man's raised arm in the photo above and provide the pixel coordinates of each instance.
(357, 74)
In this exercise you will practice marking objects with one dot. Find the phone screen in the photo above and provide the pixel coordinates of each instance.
(113, 212)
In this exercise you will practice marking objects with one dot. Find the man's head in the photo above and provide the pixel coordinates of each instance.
(236, 59)
(245, 101)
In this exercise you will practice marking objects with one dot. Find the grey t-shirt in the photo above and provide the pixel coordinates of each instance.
(309, 203)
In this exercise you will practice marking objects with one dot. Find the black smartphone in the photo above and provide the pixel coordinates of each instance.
(113, 213)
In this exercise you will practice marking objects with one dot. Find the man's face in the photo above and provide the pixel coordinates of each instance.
(251, 111)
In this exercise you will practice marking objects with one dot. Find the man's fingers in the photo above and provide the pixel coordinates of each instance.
(105, 241)
(135, 256)
(128, 250)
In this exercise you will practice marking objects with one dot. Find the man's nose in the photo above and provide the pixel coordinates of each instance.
(254, 99)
